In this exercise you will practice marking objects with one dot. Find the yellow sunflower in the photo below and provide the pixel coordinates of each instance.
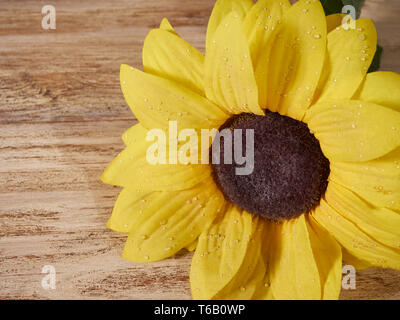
(326, 179)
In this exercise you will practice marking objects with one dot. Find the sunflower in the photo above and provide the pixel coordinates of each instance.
(326, 181)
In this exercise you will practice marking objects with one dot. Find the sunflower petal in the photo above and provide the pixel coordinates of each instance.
(354, 241)
(382, 88)
(263, 290)
(334, 20)
(296, 61)
(220, 253)
(354, 130)
(155, 101)
(191, 247)
(328, 256)
(166, 25)
(130, 135)
(221, 9)
(137, 174)
(349, 259)
(293, 270)
(244, 284)
(169, 56)
(309, 241)
(229, 75)
(350, 53)
(377, 181)
(379, 223)
(260, 25)
(128, 206)
(132, 169)
(171, 221)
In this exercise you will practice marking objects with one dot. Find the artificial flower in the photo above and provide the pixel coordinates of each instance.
(326, 181)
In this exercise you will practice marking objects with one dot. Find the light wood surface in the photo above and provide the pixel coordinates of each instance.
(61, 117)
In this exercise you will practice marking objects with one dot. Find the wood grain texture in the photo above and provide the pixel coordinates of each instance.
(61, 117)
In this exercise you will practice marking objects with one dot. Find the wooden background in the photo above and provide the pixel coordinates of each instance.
(61, 117)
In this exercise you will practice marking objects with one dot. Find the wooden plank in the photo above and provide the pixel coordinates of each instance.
(61, 117)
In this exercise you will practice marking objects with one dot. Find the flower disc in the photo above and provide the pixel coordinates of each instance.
(290, 171)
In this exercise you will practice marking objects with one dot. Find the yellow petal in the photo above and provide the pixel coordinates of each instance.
(260, 25)
(334, 20)
(220, 253)
(288, 246)
(130, 203)
(221, 9)
(354, 130)
(293, 269)
(349, 55)
(191, 247)
(138, 174)
(130, 135)
(305, 262)
(132, 169)
(245, 283)
(296, 59)
(349, 259)
(171, 221)
(169, 56)
(328, 256)
(263, 290)
(377, 181)
(166, 25)
(354, 241)
(379, 223)
(155, 101)
(382, 88)
(229, 76)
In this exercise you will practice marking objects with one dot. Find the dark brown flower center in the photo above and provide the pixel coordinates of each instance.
(290, 171)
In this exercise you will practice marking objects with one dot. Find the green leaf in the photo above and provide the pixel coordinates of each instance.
(376, 62)
(332, 6)
(357, 4)
(336, 6)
